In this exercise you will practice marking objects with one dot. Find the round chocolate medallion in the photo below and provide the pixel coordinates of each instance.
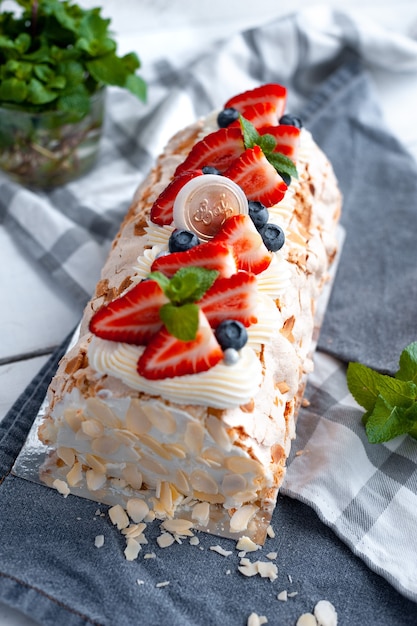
(205, 202)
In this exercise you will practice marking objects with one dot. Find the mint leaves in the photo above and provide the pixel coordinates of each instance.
(55, 54)
(267, 143)
(187, 286)
(390, 402)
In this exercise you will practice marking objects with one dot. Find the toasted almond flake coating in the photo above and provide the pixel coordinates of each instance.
(325, 613)
(67, 455)
(99, 541)
(75, 474)
(95, 480)
(62, 487)
(241, 518)
(118, 517)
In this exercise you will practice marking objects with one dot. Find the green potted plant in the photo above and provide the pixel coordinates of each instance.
(56, 59)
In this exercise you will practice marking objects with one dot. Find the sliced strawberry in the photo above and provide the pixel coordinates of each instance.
(260, 114)
(257, 177)
(287, 138)
(231, 298)
(270, 92)
(217, 149)
(132, 318)
(211, 255)
(250, 251)
(165, 356)
(162, 208)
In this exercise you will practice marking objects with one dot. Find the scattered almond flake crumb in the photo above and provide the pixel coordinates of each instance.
(306, 619)
(62, 487)
(79, 519)
(325, 613)
(194, 541)
(272, 556)
(163, 584)
(149, 555)
(179, 526)
(99, 541)
(221, 550)
(98, 512)
(241, 554)
(118, 517)
(292, 594)
(256, 620)
(140, 582)
(283, 596)
(165, 540)
(270, 532)
(246, 544)
(299, 453)
(263, 568)
(290, 578)
(132, 549)
(305, 402)
(228, 571)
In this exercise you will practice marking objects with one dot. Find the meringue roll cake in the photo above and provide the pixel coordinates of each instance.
(183, 384)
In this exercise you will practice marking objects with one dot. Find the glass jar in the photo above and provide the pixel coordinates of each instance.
(51, 148)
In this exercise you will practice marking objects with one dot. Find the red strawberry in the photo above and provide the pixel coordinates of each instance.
(231, 298)
(162, 208)
(212, 256)
(250, 251)
(287, 138)
(217, 149)
(257, 177)
(166, 356)
(260, 114)
(132, 318)
(275, 94)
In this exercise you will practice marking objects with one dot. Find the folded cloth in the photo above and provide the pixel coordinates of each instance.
(51, 569)
(369, 502)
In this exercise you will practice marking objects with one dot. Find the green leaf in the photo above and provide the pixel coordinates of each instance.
(282, 164)
(249, 132)
(13, 90)
(386, 422)
(39, 94)
(180, 321)
(361, 382)
(108, 70)
(75, 101)
(136, 85)
(189, 284)
(161, 279)
(408, 363)
(267, 143)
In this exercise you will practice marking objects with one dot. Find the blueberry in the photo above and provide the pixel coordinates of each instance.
(231, 334)
(227, 116)
(291, 120)
(208, 169)
(273, 237)
(182, 240)
(258, 213)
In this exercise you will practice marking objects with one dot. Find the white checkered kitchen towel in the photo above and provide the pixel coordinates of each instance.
(366, 493)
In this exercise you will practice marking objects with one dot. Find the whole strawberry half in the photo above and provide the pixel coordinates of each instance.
(287, 139)
(165, 356)
(132, 318)
(270, 92)
(210, 255)
(162, 210)
(231, 298)
(250, 252)
(217, 149)
(257, 177)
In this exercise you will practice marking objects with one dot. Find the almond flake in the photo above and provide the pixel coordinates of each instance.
(283, 596)
(293, 594)
(118, 517)
(179, 525)
(149, 555)
(137, 509)
(270, 532)
(132, 549)
(165, 540)
(99, 541)
(221, 550)
(256, 620)
(272, 556)
(163, 584)
(201, 513)
(325, 613)
(306, 619)
(140, 582)
(246, 544)
(61, 486)
(241, 518)
(194, 541)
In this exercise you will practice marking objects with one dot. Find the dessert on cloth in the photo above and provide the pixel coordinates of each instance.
(347, 531)
(182, 390)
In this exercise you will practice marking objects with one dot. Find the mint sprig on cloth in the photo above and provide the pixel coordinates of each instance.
(390, 402)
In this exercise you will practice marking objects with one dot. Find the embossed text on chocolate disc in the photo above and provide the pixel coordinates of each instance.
(205, 202)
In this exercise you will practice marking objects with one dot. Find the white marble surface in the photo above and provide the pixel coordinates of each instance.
(33, 318)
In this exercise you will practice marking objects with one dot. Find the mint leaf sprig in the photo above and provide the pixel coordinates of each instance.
(390, 402)
(184, 289)
(267, 143)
